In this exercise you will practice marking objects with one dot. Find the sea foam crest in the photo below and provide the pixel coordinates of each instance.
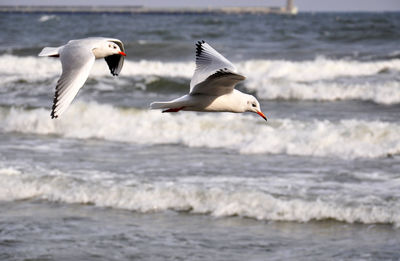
(243, 133)
(194, 198)
(387, 92)
(45, 18)
(318, 69)
(314, 70)
(302, 80)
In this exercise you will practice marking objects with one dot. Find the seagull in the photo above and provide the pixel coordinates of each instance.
(77, 59)
(212, 88)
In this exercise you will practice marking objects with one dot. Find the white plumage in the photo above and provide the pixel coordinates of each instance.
(77, 59)
(212, 87)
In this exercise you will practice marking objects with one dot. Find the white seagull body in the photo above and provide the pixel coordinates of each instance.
(77, 59)
(212, 87)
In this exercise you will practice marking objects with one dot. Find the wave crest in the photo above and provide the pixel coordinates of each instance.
(194, 198)
(45, 18)
(242, 133)
(319, 79)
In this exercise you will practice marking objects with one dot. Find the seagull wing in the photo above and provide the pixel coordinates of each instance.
(76, 62)
(116, 61)
(214, 74)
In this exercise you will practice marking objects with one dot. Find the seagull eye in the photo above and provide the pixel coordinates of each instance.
(115, 47)
(254, 105)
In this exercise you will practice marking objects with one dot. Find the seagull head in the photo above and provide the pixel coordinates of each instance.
(113, 48)
(107, 48)
(254, 106)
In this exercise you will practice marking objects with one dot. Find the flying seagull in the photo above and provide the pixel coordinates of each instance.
(212, 87)
(77, 59)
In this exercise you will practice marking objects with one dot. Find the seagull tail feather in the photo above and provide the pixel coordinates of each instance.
(160, 105)
(50, 51)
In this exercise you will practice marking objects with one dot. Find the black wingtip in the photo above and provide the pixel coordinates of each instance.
(53, 112)
(55, 100)
(53, 116)
(199, 47)
(200, 42)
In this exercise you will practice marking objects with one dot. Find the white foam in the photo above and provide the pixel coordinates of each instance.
(269, 79)
(314, 80)
(9, 171)
(217, 200)
(314, 70)
(245, 133)
(14, 68)
(45, 18)
(384, 93)
(305, 80)
(40, 68)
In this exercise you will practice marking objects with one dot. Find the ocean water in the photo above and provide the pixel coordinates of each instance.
(112, 180)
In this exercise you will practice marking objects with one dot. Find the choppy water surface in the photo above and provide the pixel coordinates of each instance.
(111, 180)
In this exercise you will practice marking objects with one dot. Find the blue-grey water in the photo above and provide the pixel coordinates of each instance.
(111, 180)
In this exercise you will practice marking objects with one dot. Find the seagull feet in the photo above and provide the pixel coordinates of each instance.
(173, 109)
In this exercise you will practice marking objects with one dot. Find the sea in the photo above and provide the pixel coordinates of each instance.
(112, 180)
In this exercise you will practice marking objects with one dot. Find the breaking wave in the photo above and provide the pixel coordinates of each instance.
(212, 199)
(244, 133)
(45, 18)
(319, 79)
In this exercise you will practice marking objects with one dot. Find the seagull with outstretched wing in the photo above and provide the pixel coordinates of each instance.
(77, 59)
(212, 88)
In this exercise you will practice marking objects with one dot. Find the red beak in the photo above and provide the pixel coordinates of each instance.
(262, 115)
(122, 53)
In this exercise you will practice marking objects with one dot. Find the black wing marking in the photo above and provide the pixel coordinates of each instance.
(116, 61)
(225, 78)
(225, 73)
(221, 82)
(212, 69)
(199, 48)
(202, 57)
